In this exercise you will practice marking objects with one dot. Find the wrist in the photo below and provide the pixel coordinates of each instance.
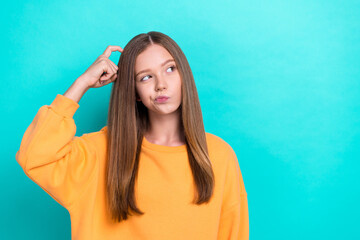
(81, 83)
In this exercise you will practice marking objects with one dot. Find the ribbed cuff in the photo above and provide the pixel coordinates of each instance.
(64, 106)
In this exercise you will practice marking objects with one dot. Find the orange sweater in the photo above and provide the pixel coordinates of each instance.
(71, 170)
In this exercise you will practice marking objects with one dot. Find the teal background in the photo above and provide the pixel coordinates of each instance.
(278, 80)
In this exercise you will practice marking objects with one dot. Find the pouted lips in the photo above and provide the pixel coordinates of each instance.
(161, 99)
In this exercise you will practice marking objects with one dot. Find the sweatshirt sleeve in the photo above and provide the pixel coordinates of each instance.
(234, 218)
(50, 154)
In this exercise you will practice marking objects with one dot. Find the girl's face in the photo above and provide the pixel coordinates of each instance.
(156, 74)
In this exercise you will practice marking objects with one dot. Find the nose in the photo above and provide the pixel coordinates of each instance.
(160, 83)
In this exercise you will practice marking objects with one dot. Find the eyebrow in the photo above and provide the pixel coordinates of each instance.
(169, 60)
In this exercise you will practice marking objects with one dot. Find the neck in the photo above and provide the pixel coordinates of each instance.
(165, 129)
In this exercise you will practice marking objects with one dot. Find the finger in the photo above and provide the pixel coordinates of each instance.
(113, 78)
(108, 72)
(114, 65)
(106, 81)
(106, 76)
(111, 49)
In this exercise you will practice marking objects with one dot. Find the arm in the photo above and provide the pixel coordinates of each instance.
(52, 157)
(50, 154)
(234, 219)
(77, 89)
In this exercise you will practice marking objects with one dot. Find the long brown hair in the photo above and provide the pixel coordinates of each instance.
(128, 121)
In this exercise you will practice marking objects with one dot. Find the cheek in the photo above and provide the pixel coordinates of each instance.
(143, 93)
(139, 92)
(180, 87)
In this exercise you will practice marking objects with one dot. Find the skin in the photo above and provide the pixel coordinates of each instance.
(155, 81)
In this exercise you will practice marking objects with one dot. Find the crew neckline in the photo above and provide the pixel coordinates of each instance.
(162, 148)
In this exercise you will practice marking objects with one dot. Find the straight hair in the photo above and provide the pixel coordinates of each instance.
(128, 121)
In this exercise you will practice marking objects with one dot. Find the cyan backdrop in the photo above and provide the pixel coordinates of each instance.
(278, 80)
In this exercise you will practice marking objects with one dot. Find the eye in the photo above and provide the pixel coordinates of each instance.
(144, 77)
(173, 68)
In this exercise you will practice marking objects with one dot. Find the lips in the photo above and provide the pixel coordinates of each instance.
(161, 99)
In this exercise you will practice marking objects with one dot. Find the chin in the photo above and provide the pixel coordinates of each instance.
(164, 111)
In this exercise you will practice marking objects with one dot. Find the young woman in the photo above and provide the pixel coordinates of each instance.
(152, 172)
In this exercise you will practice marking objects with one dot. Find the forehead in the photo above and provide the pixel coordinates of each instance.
(152, 57)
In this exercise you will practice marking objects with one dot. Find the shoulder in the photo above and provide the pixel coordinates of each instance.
(98, 138)
(217, 144)
(97, 134)
(220, 152)
(224, 160)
